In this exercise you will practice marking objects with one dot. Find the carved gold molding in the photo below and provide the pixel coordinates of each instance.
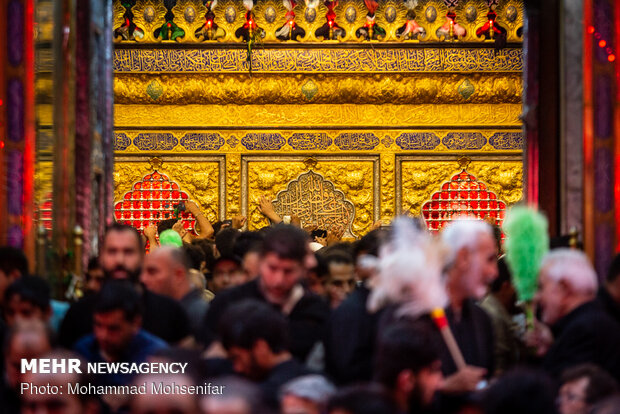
(346, 115)
(356, 176)
(243, 89)
(418, 177)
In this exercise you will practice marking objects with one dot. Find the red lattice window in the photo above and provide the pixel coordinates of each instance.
(151, 200)
(45, 212)
(462, 196)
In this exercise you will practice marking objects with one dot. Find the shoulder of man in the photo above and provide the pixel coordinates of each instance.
(158, 310)
(312, 304)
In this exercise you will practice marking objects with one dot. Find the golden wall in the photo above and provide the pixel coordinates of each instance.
(384, 120)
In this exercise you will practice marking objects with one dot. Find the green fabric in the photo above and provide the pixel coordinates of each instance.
(526, 244)
(170, 238)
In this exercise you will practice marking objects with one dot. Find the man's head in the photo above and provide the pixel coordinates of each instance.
(166, 224)
(362, 399)
(341, 277)
(25, 340)
(94, 275)
(117, 317)
(520, 391)
(502, 287)
(164, 403)
(226, 273)
(282, 265)
(239, 397)
(254, 334)
(13, 264)
(471, 264)
(566, 281)
(61, 402)
(308, 395)
(583, 386)
(27, 298)
(165, 272)
(196, 256)
(247, 247)
(407, 363)
(316, 277)
(122, 253)
(367, 248)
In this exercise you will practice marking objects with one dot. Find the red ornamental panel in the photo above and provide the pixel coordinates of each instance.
(462, 196)
(151, 200)
(45, 212)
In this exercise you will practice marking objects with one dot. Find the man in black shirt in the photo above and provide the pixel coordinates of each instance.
(581, 331)
(255, 337)
(471, 267)
(351, 329)
(282, 266)
(609, 293)
(121, 257)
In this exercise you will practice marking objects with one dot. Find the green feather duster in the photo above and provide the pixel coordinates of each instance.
(526, 244)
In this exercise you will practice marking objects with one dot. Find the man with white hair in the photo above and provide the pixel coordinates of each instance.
(581, 331)
(471, 266)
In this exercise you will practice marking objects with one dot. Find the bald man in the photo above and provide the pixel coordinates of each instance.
(166, 272)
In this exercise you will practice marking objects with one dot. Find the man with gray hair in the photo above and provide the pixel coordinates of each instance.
(308, 394)
(581, 331)
(471, 266)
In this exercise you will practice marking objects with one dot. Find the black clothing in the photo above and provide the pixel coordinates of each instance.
(586, 334)
(163, 317)
(474, 335)
(195, 306)
(608, 303)
(280, 375)
(306, 321)
(350, 341)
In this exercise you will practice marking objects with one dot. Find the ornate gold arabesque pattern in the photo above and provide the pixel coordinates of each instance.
(350, 16)
(198, 179)
(381, 90)
(274, 89)
(419, 179)
(316, 202)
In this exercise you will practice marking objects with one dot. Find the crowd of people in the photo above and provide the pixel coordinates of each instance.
(297, 322)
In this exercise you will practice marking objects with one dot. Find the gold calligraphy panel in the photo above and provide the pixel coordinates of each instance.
(356, 177)
(316, 202)
(200, 180)
(419, 179)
